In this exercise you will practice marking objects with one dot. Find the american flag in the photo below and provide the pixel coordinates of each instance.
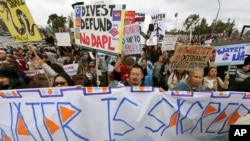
(114, 32)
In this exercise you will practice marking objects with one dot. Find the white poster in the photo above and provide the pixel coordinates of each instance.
(159, 22)
(169, 42)
(230, 55)
(121, 114)
(63, 39)
(100, 27)
(131, 43)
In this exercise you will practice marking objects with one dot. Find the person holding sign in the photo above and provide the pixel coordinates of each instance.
(211, 82)
(175, 77)
(91, 77)
(124, 69)
(9, 79)
(193, 82)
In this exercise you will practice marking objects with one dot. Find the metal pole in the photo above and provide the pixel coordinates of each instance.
(216, 17)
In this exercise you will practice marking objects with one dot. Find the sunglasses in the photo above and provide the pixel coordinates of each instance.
(60, 83)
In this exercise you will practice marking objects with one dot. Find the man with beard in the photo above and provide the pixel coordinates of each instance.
(136, 77)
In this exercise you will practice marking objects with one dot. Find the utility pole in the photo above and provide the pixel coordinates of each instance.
(216, 18)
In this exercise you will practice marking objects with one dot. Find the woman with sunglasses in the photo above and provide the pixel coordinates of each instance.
(63, 80)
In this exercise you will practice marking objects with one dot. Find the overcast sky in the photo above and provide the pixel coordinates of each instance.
(236, 10)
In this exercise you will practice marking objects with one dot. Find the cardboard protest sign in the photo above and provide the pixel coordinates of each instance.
(63, 39)
(187, 57)
(19, 21)
(131, 39)
(38, 81)
(100, 27)
(119, 114)
(129, 17)
(169, 42)
(230, 54)
(159, 22)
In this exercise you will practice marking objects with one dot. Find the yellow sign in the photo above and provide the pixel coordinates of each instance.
(19, 21)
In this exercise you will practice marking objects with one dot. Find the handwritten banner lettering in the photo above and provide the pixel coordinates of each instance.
(136, 113)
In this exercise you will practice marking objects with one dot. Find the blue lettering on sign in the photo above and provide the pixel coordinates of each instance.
(237, 52)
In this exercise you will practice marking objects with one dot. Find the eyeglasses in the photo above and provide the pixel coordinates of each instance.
(60, 83)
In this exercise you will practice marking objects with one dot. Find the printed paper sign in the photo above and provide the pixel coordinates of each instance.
(100, 27)
(129, 17)
(131, 39)
(230, 55)
(19, 21)
(169, 42)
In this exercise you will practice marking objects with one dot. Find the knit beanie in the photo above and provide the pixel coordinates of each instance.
(8, 73)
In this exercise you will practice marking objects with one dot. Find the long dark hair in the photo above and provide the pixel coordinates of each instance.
(66, 77)
(57, 68)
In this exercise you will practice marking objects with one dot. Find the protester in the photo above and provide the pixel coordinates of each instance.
(165, 71)
(156, 71)
(68, 59)
(135, 78)
(60, 56)
(175, 77)
(9, 79)
(193, 82)
(242, 73)
(83, 66)
(124, 69)
(91, 77)
(147, 73)
(63, 80)
(211, 82)
(2, 54)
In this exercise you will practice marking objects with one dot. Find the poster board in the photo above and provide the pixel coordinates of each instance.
(169, 42)
(63, 39)
(187, 57)
(131, 39)
(159, 22)
(18, 19)
(230, 54)
(100, 27)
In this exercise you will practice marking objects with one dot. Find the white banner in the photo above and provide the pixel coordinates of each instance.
(131, 43)
(121, 114)
(230, 54)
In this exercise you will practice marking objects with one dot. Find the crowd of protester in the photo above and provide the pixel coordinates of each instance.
(150, 68)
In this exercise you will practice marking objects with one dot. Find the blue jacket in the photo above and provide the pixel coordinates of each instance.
(185, 86)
